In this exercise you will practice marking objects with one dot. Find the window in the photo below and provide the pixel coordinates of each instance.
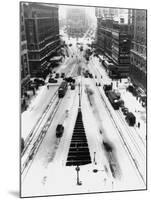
(121, 20)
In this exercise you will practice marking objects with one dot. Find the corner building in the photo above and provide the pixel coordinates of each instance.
(113, 39)
(42, 33)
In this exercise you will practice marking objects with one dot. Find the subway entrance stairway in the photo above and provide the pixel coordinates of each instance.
(79, 151)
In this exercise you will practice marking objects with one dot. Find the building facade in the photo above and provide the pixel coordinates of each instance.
(121, 48)
(138, 70)
(42, 34)
(113, 39)
(24, 62)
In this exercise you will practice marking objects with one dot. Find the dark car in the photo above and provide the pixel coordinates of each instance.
(130, 118)
(39, 81)
(90, 75)
(121, 103)
(51, 80)
(59, 130)
(124, 110)
(70, 79)
(62, 75)
(57, 75)
(72, 86)
(86, 75)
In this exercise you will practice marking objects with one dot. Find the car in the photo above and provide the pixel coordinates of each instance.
(57, 75)
(86, 76)
(51, 80)
(90, 75)
(59, 130)
(124, 110)
(72, 86)
(62, 75)
(70, 79)
(121, 103)
(130, 118)
(39, 81)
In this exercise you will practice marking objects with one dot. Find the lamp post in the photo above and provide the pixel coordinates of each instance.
(78, 169)
(79, 97)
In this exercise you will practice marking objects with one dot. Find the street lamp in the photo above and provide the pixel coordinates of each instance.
(78, 169)
(79, 97)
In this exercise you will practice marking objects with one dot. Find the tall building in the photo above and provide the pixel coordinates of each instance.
(24, 63)
(138, 70)
(77, 22)
(121, 48)
(42, 34)
(113, 39)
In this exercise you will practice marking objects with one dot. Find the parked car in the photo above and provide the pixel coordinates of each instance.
(121, 103)
(57, 75)
(62, 75)
(90, 75)
(124, 110)
(39, 81)
(59, 130)
(70, 79)
(51, 80)
(72, 86)
(130, 118)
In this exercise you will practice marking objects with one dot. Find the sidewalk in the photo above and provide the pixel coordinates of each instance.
(35, 109)
(131, 101)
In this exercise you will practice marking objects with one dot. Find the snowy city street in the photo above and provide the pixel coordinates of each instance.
(75, 140)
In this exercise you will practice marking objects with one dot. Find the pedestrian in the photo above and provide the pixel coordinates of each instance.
(138, 124)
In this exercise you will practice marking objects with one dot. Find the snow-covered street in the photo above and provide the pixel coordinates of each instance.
(117, 151)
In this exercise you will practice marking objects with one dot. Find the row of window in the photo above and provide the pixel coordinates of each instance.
(141, 40)
(124, 60)
(47, 41)
(43, 53)
(139, 48)
(141, 18)
(141, 28)
(138, 62)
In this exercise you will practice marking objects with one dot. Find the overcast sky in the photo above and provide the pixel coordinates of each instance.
(89, 10)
